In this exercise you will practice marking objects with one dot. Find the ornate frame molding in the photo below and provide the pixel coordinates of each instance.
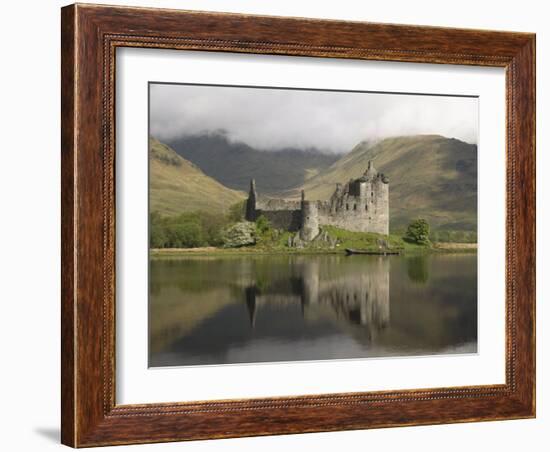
(90, 37)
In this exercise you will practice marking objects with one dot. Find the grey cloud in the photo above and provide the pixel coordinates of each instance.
(332, 121)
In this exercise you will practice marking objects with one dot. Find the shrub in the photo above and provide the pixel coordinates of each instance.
(262, 224)
(188, 230)
(239, 234)
(158, 237)
(418, 232)
(236, 212)
(212, 225)
(185, 235)
(157, 231)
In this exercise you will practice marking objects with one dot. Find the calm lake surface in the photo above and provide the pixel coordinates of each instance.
(243, 309)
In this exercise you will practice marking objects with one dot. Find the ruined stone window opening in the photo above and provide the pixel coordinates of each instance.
(347, 206)
(355, 207)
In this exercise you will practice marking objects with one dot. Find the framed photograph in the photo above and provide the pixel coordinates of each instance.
(281, 225)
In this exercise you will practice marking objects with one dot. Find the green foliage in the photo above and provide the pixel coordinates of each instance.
(212, 225)
(185, 235)
(158, 234)
(418, 232)
(262, 224)
(184, 231)
(188, 230)
(199, 228)
(237, 211)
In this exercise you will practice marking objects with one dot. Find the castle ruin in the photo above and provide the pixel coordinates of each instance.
(360, 205)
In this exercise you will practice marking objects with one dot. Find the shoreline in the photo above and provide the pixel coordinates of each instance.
(437, 248)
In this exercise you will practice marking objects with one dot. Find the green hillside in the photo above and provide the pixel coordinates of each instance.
(233, 164)
(430, 176)
(176, 185)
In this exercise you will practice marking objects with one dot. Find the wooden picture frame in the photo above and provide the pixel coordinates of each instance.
(90, 36)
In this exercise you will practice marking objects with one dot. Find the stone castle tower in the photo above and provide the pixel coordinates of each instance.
(310, 219)
(360, 205)
(251, 202)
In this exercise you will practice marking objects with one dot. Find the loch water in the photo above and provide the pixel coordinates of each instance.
(270, 308)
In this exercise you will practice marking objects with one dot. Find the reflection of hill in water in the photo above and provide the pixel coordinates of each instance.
(206, 309)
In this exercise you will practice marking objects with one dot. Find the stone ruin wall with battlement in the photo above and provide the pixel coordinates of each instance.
(361, 205)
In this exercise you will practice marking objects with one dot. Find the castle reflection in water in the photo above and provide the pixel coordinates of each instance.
(359, 298)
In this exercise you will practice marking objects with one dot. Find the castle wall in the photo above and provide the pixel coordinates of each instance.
(289, 220)
(281, 213)
(366, 212)
(278, 204)
(361, 205)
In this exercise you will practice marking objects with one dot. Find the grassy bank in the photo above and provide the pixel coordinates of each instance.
(332, 240)
(247, 251)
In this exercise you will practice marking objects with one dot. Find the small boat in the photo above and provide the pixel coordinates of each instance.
(350, 251)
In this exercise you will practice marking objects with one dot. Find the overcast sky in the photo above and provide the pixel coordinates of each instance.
(270, 119)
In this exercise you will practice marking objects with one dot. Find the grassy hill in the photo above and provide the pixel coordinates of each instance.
(176, 185)
(234, 164)
(430, 176)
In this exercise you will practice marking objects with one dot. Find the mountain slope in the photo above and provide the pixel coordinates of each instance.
(234, 164)
(430, 176)
(178, 186)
